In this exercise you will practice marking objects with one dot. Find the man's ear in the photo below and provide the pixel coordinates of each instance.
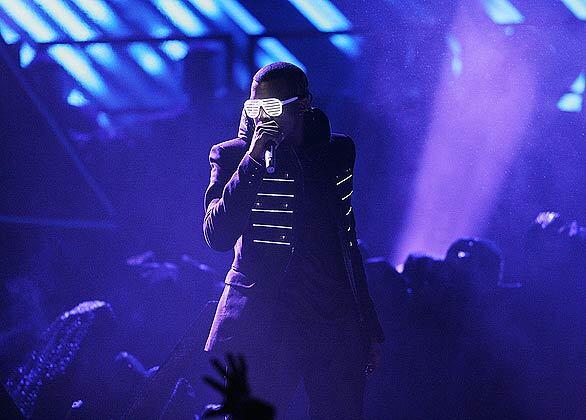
(246, 127)
(305, 104)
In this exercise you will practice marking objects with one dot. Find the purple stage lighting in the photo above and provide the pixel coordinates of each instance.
(478, 120)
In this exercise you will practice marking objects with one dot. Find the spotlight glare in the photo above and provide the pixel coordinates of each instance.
(176, 50)
(27, 19)
(242, 17)
(181, 16)
(102, 14)
(147, 58)
(327, 18)
(322, 14)
(579, 84)
(570, 102)
(103, 54)
(278, 51)
(346, 43)
(70, 22)
(502, 12)
(76, 64)
(577, 7)
(76, 98)
(27, 55)
(9, 36)
(208, 8)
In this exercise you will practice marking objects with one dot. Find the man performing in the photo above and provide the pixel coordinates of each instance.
(295, 302)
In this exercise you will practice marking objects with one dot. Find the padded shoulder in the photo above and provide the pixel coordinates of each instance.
(234, 145)
(344, 146)
(229, 150)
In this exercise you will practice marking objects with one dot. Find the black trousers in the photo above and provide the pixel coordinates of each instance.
(329, 359)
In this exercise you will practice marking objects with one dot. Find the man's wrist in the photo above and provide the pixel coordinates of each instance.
(254, 158)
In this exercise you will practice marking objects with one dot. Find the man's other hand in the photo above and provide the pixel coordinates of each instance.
(373, 358)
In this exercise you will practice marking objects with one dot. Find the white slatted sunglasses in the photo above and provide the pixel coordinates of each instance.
(272, 106)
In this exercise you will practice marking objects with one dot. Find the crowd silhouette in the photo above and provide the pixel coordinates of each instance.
(463, 341)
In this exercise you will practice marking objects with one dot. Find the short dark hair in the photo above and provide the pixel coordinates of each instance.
(286, 71)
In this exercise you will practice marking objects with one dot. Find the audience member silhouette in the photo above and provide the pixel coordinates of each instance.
(237, 400)
(551, 310)
(458, 356)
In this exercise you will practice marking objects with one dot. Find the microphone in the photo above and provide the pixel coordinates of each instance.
(270, 158)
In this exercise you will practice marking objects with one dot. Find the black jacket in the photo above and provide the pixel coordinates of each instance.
(254, 213)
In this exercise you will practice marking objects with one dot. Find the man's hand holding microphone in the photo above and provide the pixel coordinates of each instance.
(265, 140)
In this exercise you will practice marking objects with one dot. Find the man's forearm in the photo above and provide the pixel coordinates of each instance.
(227, 214)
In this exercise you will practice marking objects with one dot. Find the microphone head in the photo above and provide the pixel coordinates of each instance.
(270, 158)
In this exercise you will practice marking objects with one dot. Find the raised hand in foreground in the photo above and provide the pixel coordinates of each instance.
(236, 393)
